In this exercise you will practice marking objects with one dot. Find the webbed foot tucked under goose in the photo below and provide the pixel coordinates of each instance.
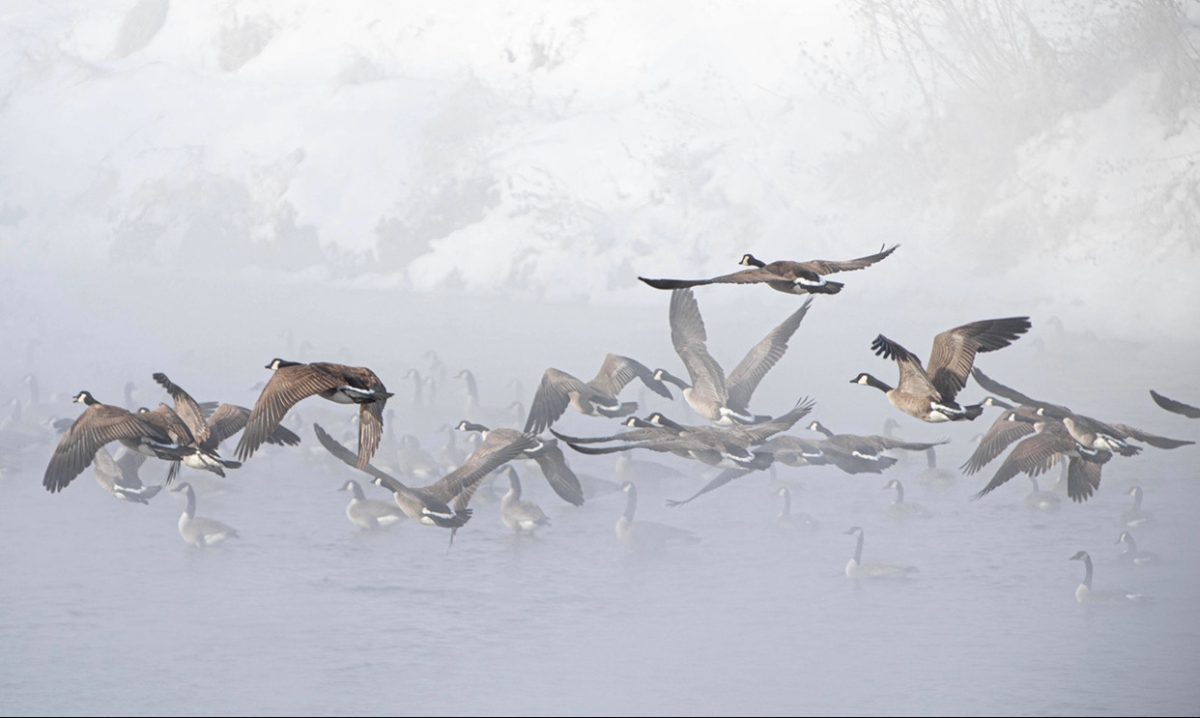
(711, 395)
(341, 384)
(597, 397)
(928, 393)
(197, 530)
(98, 425)
(782, 276)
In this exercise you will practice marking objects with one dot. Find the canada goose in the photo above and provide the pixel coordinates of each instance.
(1131, 554)
(782, 276)
(431, 505)
(645, 533)
(121, 479)
(856, 569)
(520, 516)
(901, 508)
(1084, 593)
(473, 410)
(1090, 432)
(1012, 424)
(196, 530)
(1041, 500)
(597, 397)
(1175, 407)
(229, 419)
(369, 514)
(98, 425)
(194, 419)
(436, 366)
(933, 474)
(928, 393)
(1136, 515)
(294, 381)
(1050, 443)
(639, 430)
(450, 454)
(795, 451)
(787, 518)
(710, 394)
(868, 449)
(418, 387)
(548, 456)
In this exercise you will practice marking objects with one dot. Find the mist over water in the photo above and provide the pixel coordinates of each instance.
(197, 190)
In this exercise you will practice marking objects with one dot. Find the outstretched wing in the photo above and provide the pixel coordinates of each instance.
(559, 474)
(186, 407)
(95, 427)
(288, 385)
(999, 436)
(617, 371)
(825, 266)
(954, 350)
(348, 457)
(689, 338)
(550, 401)
(745, 377)
(992, 386)
(913, 379)
(1158, 442)
(1177, 407)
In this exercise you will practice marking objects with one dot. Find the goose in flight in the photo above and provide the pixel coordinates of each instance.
(98, 425)
(545, 453)
(195, 429)
(597, 397)
(856, 454)
(294, 381)
(711, 395)
(120, 478)
(927, 392)
(1175, 407)
(1049, 444)
(1093, 432)
(782, 276)
(444, 502)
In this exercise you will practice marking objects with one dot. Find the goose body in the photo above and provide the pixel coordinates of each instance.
(783, 276)
(520, 516)
(928, 392)
(369, 514)
(197, 530)
(292, 382)
(855, 568)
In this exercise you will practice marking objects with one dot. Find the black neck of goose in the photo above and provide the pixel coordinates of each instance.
(1137, 499)
(357, 491)
(470, 426)
(472, 387)
(787, 504)
(931, 458)
(753, 261)
(872, 381)
(672, 379)
(817, 426)
(285, 362)
(1087, 576)
(858, 548)
(1033, 480)
(89, 400)
(630, 503)
(190, 511)
(514, 484)
(128, 395)
(899, 493)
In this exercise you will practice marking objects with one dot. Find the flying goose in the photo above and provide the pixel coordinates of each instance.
(1175, 407)
(546, 454)
(901, 508)
(1131, 554)
(856, 454)
(369, 514)
(1012, 424)
(927, 393)
(520, 516)
(598, 397)
(98, 425)
(1092, 432)
(195, 422)
(782, 276)
(431, 505)
(229, 419)
(1136, 515)
(1084, 593)
(1049, 444)
(120, 479)
(855, 568)
(710, 394)
(787, 518)
(196, 530)
(294, 381)
(795, 451)
(645, 533)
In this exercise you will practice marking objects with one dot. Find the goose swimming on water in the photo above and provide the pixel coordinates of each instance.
(1130, 552)
(197, 530)
(1084, 593)
(520, 516)
(1136, 515)
(855, 568)
(369, 514)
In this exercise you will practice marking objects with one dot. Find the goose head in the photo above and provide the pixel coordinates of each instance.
(854, 531)
(749, 260)
(348, 486)
(85, 397)
(868, 380)
(1080, 556)
(277, 363)
(465, 425)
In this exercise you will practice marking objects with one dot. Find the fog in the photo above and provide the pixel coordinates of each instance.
(197, 188)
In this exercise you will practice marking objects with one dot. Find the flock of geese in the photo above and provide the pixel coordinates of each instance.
(728, 433)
